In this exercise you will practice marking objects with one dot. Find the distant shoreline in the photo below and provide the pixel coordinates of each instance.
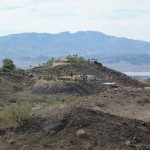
(137, 73)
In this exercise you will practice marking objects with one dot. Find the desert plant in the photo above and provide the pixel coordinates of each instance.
(23, 111)
(97, 102)
(143, 101)
(8, 65)
(7, 117)
(15, 115)
(20, 72)
(51, 101)
(51, 60)
(58, 99)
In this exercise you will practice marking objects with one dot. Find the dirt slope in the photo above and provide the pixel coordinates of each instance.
(8, 86)
(77, 128)
(126, 102)
(74, 88)
(11, 85)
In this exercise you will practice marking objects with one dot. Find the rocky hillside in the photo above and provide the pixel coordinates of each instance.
(76, 128)
(46, 80)
(103, 73)
(11, 84)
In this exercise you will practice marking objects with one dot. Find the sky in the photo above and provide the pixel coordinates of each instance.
(123, 18)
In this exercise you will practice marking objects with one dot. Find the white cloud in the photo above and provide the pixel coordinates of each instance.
(129, 18)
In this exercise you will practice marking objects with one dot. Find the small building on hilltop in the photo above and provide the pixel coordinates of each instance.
(61, 61)
(84, 77)
(90, 77)
(78, 77)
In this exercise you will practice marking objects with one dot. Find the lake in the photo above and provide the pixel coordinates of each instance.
(137, 73)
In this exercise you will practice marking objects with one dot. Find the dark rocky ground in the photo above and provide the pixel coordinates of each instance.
(68, 87)
(77, 128)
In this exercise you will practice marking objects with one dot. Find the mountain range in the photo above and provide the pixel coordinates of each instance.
(116, 52)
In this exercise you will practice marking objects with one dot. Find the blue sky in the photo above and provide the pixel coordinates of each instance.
(125, 18)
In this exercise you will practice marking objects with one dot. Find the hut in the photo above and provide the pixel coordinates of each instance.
(90, 77)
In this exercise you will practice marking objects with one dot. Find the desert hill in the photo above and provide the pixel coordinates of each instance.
(103, 75)
(45, 80)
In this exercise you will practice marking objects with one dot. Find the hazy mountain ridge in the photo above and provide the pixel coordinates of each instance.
(35, 48)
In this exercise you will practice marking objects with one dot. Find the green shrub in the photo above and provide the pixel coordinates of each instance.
(8, 117)
(15, 115)
(51, 101)
(20, 72)
(8, 65)
(12, 101)
(23, 111)
(59, 99)
(97, 102)
(39, 77)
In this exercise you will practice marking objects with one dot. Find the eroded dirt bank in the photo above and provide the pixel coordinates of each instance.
(76, 128)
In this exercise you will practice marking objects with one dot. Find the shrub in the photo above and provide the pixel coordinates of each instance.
(8, 117)
(15, 115)
(20, 72)
(97, 102)
(8, 65)
(51, 101)
(23, 111)
(143, 101)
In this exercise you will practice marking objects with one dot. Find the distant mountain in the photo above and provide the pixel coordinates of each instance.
(125, 62)
(34, 48)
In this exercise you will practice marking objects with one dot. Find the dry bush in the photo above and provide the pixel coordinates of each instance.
(58, 99)
(15, 115)
(97, 102)
(143, 101)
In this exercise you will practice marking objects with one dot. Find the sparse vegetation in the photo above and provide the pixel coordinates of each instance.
(13, 115)
(51, 101)
(58, 99)
(143, 101)
(20, 72)
(75, 58)
(51, 60)
(97, 102)
(45, 77)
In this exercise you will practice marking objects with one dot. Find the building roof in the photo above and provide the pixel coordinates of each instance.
(63, 60)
